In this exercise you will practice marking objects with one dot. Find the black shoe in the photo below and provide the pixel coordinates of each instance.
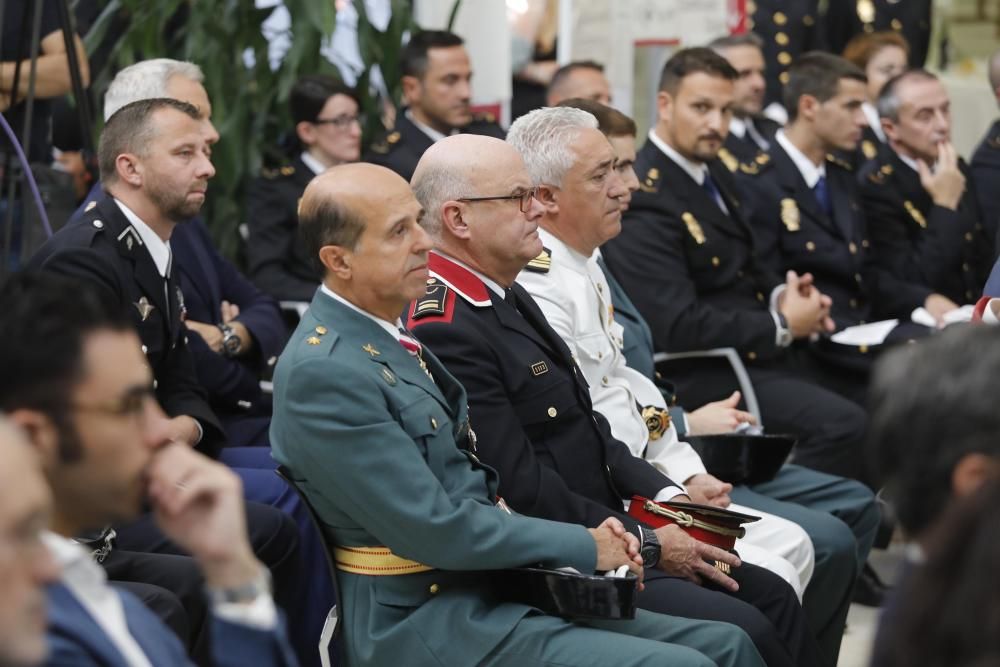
(869, 589)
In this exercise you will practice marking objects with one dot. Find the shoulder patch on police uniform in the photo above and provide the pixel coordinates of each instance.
(728, 159)
(880, 175)
(843, 164)
(868, 149)
(651, 182)
(432, 302)
(542, 263)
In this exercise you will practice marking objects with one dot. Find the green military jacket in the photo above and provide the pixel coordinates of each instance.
(380, 451)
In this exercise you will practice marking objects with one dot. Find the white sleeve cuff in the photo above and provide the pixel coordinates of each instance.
(261, 614)
(668, 492)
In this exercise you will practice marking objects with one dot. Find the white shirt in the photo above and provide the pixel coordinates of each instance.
(88, 583)
(739, 127)
(576, 300)
(158, 249)
(910, 162)
(315, 166)
(810, 171)
(874, 122)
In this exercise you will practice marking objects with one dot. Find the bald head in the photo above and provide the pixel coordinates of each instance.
(462, 165)
(26, 565)
(336, 204)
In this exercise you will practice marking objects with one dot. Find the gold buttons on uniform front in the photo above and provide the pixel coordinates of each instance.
(434, 588)
(863, 349)
(552, 412)
(852, 248)
(865, 244)
(965, 266)
(783, 77)
(760, 296)
(968, 236)
(854, 303)
(716, 261)
(604, 380)
(896, 24)
(781, 38)
(785, 58)
(857, 277)
(810, 246)
(751, 356)
(780, 18)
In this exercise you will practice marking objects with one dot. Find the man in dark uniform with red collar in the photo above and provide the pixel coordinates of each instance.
(528, 400)
(437, 90)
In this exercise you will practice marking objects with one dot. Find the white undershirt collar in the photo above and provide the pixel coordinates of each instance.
(390, 328)
(158, 249)
(694, 170)
(809, 170)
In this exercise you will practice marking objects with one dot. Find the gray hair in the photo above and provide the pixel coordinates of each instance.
(543, 138)
(145, 80)
(433, 186)
(720, 44)
(888, 102)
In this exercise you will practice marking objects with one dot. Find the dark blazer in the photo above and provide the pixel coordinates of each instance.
(788, 30)
(949, 252)
(793, 232)
(75, 638)
(744, 149)
(911, 18)
(102, 247)
(529, 403)
(277, 261)
(690, 268)
(401, 147)
(233, 385)
(986, 175)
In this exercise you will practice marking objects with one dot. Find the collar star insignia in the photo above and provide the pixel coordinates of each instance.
(313, 340)
(371, 350)
(144, 307)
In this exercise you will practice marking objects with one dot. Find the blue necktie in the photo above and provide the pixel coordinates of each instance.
(822, 193)
(713, 192)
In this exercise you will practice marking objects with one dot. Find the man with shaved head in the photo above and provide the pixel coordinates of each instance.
(376, 432)
(26, 565)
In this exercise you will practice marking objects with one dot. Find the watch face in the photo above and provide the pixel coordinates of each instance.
(650, 555)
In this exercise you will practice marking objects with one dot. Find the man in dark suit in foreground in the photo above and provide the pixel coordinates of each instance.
(80, 388)
(376, 431)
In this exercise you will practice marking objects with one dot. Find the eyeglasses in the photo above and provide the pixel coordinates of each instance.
(340, 122)
(523, 198)
(131, 404)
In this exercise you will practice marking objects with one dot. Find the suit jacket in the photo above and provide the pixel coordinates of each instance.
(986, 175)
(74, 638)
(102, 248)
(946, 251)
(737, 150)
(401, 147)
(529, 403)
(381, 452)
(788, 30)
(691, 268)
(793, 232)
(912, 18)
(277, 261)
(206, 279)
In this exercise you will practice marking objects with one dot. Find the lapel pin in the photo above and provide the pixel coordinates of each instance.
(144, 307)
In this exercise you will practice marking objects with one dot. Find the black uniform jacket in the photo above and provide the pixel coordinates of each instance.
(691, 268)
(789, 28)
(946, 251)
(102, 248)
(793, 232)
(910, 18)
(528, 402)
(986, 174)
(401, 147)
(277, 261)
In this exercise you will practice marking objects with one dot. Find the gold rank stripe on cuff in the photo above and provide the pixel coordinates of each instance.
(375, 561)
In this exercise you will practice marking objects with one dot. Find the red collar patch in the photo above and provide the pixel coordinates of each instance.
(464, 282)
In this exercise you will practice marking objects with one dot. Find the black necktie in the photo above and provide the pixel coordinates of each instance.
(510, 298)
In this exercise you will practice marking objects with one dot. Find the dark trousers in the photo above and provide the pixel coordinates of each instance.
(765, 607)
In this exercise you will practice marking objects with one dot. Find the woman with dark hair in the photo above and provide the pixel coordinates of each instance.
(881, 56)
(327, 133)
(947, 611)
